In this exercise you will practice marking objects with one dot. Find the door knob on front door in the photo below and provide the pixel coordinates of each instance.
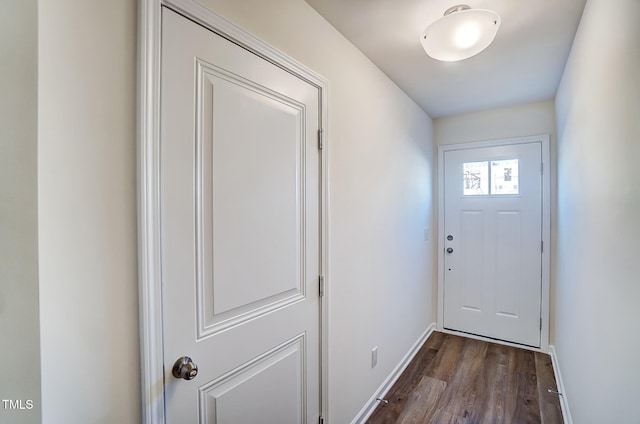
(185, 368)
(449, 249)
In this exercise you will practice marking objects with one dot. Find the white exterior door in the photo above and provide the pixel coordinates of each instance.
(240, 226)
(493, 242)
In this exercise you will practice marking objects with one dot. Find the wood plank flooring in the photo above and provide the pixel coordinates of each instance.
(456, 380)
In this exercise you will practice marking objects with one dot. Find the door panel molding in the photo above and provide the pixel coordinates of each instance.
(214, 316)
(289, 354)
(148, 119)
(543, 139)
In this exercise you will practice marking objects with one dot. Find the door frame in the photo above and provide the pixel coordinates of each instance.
(148, 142)
(546, 232)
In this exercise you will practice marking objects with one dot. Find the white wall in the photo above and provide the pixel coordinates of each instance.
(380, 147)
(598, 267)
(515, 121)
(19, 324)
(510, 122)
(87, 212)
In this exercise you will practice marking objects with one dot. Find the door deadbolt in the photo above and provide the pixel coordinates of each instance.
(185, 368)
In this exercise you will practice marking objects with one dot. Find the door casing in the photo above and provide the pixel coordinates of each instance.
(149, 260)
(546, 232)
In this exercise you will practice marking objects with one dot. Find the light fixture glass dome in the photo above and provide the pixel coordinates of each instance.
(461, 33)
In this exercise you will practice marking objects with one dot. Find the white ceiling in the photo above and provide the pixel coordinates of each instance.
(524, 63)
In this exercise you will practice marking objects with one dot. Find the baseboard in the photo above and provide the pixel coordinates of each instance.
(372, 404)
(492, 340)
(564, 405)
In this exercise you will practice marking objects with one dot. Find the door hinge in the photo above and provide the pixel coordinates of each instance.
(540, 323)
(320, 142)
(321, 285)
(321, 419)
(542, 168)
(541, 246)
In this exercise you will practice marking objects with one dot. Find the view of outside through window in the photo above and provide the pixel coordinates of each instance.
(491, 177)
(504, 176)
(476, 178)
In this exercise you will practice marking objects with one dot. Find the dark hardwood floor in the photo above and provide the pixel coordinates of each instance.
(456, 380)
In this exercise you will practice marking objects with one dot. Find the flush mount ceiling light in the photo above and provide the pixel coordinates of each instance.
(461, 33)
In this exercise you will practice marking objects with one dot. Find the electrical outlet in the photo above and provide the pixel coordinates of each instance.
(374, 357)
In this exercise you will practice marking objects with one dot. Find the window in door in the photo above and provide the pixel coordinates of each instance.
(495, 177)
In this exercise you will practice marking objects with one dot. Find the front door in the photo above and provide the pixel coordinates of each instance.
(240, 226)
(492, 241)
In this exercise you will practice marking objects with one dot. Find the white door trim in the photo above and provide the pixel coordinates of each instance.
(149, 266)
(546, 229)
